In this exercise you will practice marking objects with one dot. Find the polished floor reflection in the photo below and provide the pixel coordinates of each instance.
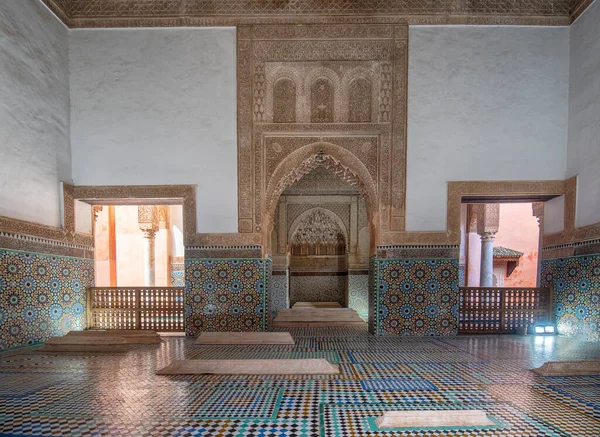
(45, 394)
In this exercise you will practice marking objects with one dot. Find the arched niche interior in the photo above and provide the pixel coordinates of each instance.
(322, 96)
(320, 228)
(284, 101)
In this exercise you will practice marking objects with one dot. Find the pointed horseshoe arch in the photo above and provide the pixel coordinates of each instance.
(335, 158)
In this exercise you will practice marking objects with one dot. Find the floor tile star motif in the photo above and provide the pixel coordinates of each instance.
(120, 394)
(403, 384)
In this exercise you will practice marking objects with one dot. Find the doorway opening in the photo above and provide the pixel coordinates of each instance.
(320, 244)
(513, 232)
(500, 269)
(138, 245)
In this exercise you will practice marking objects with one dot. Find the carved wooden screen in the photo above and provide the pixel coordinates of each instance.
(502, 310)
(154, 308)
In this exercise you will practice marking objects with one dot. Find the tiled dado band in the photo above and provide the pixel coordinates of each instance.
(42, 295)
(226, 294)
(576, 283)
(413, 290)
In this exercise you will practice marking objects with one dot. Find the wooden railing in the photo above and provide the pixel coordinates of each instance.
(156, 308)
(502, 310)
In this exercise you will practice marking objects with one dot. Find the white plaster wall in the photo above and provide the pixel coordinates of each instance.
(34, 111)
(157, 106)
(484, 103)
(177, 247)
(474, 259)
(83, 217)
(554, 215)
(583, 152)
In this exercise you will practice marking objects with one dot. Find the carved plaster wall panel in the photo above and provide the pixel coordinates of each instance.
(272, 156)
(138, 13)
(318, 232)
(320, 181)
(341, 74)
(295, 211)
(278, 147)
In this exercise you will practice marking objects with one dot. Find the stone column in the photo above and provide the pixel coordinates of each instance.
(148, 219)
(149, 264)
(538, 212)
(486, 273)
(488, 220)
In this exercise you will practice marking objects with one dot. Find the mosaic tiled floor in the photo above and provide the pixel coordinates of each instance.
(84, 395)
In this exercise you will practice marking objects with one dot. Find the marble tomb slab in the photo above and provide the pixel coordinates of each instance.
(245, 338)
(433, 418)
(132, 336)
(309, 366)
(569, 368)
(87, 343)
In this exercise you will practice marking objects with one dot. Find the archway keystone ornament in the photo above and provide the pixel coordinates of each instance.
(273, 154)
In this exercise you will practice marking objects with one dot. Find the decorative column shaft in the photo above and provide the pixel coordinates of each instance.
(148, 219)
(538, 212)
(486, 273)
(488, 221)
(149, 258)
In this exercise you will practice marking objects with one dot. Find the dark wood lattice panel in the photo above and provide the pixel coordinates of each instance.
(153, 308)
(502, 310)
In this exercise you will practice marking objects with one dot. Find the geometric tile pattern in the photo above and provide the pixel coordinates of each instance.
(41, 296)
(90, 394)
(358, 420)
(417, 297)
(225, 295)
(14, 385)
(206, 403)
(177, 275)
(405, 384)
(278, 294)
(561, 416)
(373, 295)
(576, 283)
(582, 397)
(358, 294)
(318, 289)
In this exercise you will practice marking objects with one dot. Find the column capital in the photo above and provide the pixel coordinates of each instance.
(149, 233)
(148, 218)
(488, 218)
(487, 237)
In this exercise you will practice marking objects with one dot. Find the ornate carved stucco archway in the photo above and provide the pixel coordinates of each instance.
(370, 155)
(334, 158)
